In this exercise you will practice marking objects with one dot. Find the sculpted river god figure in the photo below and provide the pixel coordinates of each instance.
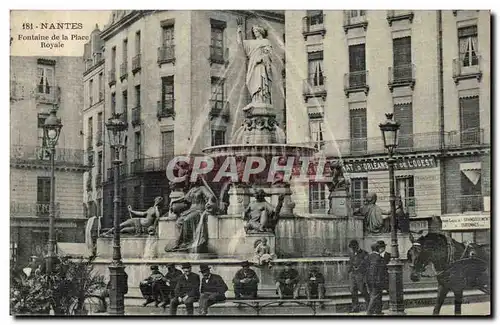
(261, 216)
(259, 74)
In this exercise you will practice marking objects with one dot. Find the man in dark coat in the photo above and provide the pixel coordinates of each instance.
(374, 279)
(151, 286)
(288, 282)
(187, 290)
(213, 289)
(245, 282)
(170, 281)
(386, 256)
(315, 284)
(358, 264)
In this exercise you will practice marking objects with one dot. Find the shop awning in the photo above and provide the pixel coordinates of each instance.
(472, 171)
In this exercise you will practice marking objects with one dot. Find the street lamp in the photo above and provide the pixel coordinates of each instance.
(116, 131)
(390, 130)
(51, 131)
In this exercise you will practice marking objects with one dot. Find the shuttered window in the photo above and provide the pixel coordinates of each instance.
(168, 93)
(357, 66)
(469, 120)
(402, 58)
(403, 113)
(359, 190)
(317, 198)
(358, 130)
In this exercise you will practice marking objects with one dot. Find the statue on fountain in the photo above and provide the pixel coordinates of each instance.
(145, 221)
(259, 72)
(191, 211)
(260, 216)
(339, 182)
(376, 220)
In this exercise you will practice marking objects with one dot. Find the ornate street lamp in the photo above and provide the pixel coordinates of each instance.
(390, 129)
(117, 137)
(51, 131)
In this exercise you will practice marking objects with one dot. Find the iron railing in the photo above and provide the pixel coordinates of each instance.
(466, 138)
(90, 142)
(355, 80)
(218, 54)
(136, 63)
(112, 77)
(219, 108)
(314, 85)
(48, 94)
(166, 54)
(313, 23)
(403, 73)
(467, 65)
(38, 209)
(354, 18)
(165, 108)
(24, 154)
(124, 70)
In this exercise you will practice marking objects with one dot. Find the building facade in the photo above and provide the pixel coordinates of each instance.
(431, 69)
(93, 114)
(178, 78)
(37, 85)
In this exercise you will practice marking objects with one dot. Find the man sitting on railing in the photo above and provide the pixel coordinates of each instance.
(245, 282)
(288, 282)
(316, 284)
(152, 286)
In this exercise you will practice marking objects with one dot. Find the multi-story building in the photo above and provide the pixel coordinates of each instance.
(178, 78)
(37, 85)
(93, 122)
(431, 69)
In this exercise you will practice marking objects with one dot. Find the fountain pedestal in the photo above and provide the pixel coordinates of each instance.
(340, 203)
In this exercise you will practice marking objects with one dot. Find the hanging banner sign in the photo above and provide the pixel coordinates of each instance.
(465, 222)
(403, 164)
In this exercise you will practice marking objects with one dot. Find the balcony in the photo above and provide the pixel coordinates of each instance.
(355, 82)
(99, 138)
(402, 76)
(112, 77)
(467, 67)
(397, 15)
(38, 155)
(468, 138)
(355, 19)
(47, 94)
(471, 203)
(155, 164)
(136, 116)
(313, 25)
(98, 180)
(166, 54)
(165, 109)
(39, 209)
(219, 55)
(123, 71)
(314, 86)
(219, 109)
(136, 63)
(90, 143)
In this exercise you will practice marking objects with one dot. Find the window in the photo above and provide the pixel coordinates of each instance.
(113, 103)
(405, 189)
(402, 58)
(358, 130)
(138, 145)
(317, 127)
(138, 96)
(357, 66)
(43, 196)
(168, 35)
(125, 50)
(138, 42)
(99, 207)
(315, 17)
(469, 121)
(99, 128)
(359, 190)
(101, 88)
(403, 113)
(467, 42)
(218, 137)
(317, 198)
(168, 93)
(315, 68)
(90, 132)
(355, 13)
(217, 93)
(470, 181)
(91, 92)
(167, 145)
(113, 58)
(99, 163)
(217, 43)
(125, 105)
(45, 79)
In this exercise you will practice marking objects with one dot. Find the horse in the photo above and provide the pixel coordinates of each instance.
(458, 266)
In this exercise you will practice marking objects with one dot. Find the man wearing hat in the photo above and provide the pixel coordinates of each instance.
(288, 282)
(358, 265)
(150, 287)
(245, 282)
(213, 289)
(374, 279)
(386, 256)
(170, 281)
(187, 290)
(315, 284)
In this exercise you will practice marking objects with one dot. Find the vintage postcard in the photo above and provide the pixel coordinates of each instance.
(250, 162)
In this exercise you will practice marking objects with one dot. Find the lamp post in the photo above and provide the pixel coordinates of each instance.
(51, 131)
(390, 130)
(116, 131)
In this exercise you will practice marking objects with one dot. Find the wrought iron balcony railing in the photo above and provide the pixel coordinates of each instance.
(355, 19)
(219, 55)
(165, 108)
(123, 70)
(136, 63)
(467, 66)
(47, 94)
(136, 116)
(30, 154)
(313, 25)
(154, 164)
(112, 77)
(314, 86)
(396, 15)
(466, 138)
(166, 54)
(356, 81)
(38, 209)
(402, 75)
(90, 143)
(219, 108)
